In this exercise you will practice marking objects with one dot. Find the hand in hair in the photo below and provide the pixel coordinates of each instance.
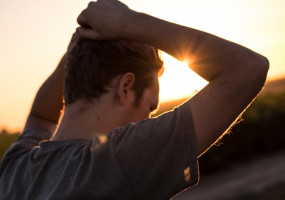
(104, 20)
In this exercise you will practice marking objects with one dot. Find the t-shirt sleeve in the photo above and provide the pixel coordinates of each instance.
(158, 155)
(29, 139)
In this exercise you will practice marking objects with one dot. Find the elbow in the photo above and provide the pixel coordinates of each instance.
(258, 69)
(263, 67)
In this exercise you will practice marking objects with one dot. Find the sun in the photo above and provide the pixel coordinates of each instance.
(178, 80)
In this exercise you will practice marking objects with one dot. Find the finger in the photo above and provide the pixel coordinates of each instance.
(91, 3)
(82, 19)
(118, 3)
(88, 33)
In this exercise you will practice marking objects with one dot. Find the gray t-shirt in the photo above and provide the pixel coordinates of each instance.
(151, 159)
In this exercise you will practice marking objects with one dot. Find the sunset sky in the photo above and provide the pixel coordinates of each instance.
(35, 34)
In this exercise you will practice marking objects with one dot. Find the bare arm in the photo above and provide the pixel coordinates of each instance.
(235, 73)
(47, 106)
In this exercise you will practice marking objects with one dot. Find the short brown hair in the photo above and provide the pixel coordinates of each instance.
(91, 65)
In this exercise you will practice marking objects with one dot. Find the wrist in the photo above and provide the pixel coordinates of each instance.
(131, 29)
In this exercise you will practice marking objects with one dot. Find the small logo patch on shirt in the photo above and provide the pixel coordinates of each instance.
(187, 174)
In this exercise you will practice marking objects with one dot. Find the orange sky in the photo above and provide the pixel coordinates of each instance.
(34, 35)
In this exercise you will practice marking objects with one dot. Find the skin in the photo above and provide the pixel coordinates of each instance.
(235, 74)
(95, 119)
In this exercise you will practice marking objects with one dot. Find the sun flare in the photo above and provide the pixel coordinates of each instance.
(178, 80)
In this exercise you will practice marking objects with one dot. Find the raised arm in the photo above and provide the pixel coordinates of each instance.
(47, 106)
(235, 73)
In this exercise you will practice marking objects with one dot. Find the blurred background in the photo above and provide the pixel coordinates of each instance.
(248, 163)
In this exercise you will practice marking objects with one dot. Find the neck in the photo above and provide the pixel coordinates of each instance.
(83, 120)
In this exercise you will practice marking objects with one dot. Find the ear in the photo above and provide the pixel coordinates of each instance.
(125, 90)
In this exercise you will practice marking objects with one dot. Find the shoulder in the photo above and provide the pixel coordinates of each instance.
(159, 147)
(29, 139)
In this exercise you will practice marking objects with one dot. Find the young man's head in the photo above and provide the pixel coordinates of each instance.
(93, 65)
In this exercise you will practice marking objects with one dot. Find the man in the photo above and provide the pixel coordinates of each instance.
(151, 158)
